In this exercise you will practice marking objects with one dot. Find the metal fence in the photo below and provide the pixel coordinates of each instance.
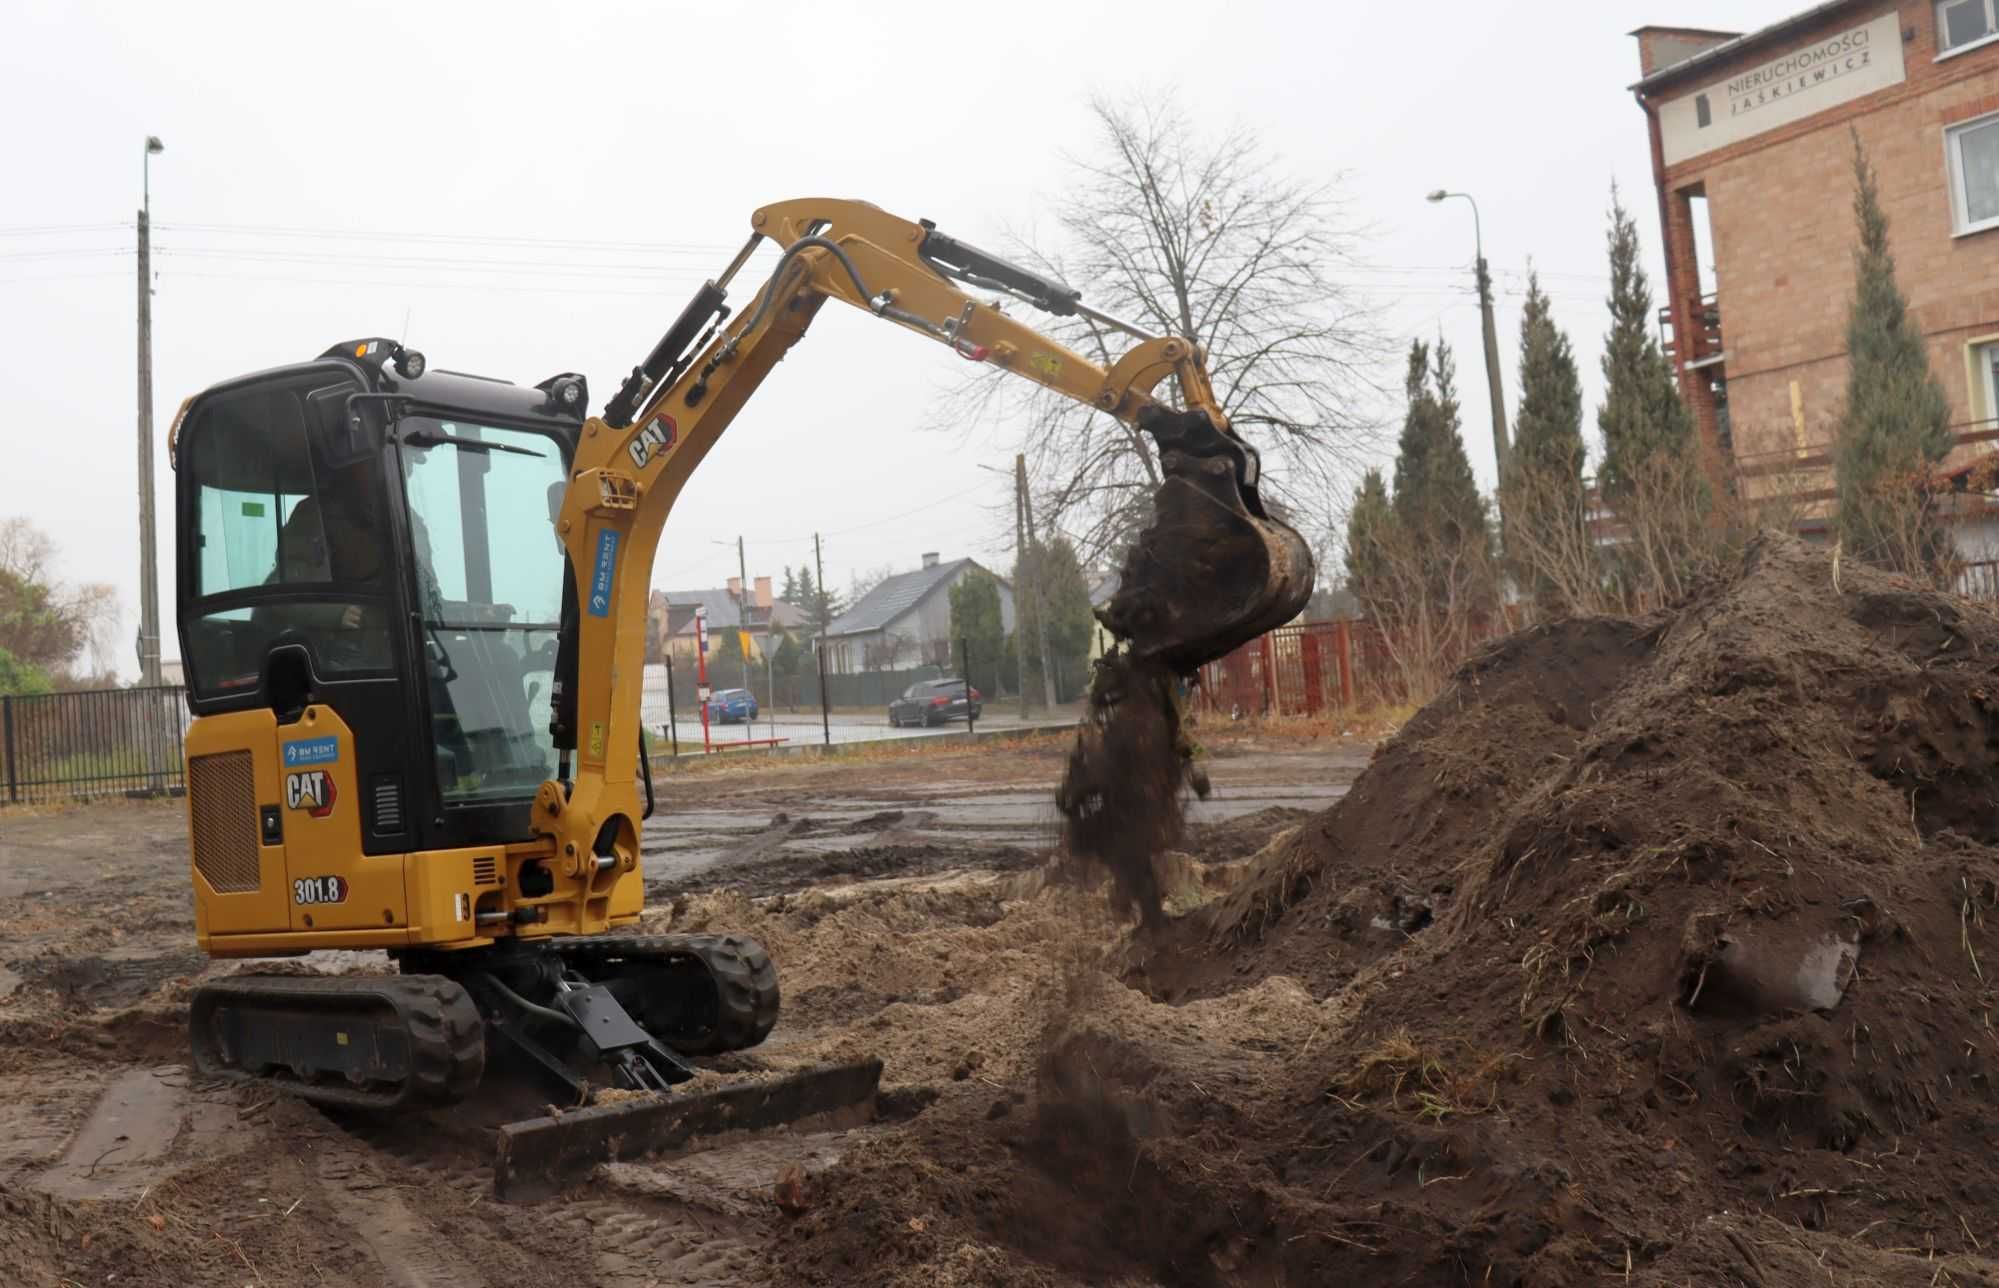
(1310, 668)
(99, 742)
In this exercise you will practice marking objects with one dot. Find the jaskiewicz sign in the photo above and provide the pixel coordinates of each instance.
(1824, 73)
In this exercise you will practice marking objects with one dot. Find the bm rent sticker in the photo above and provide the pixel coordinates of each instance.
(600, 580)
(312, 890)
(311, 751)
(310, 790)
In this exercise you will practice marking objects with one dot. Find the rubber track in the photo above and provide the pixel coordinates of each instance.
(744, 978)
(446, 1035)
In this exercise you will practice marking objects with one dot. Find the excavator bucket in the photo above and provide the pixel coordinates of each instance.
(540, 1157)
(1213, 571)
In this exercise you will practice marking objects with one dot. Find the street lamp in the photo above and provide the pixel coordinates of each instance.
(149, 581)
(1499, 443)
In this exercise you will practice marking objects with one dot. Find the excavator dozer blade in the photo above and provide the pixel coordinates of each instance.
(1214, 570)
(540, 1157)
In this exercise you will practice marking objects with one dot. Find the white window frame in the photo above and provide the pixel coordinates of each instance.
(1953, 134)
(1991, 27)
(1984, 350)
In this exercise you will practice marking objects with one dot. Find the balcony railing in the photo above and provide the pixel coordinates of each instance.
(1705, 314)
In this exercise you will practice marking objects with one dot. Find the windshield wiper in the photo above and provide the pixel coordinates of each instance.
(426, 438)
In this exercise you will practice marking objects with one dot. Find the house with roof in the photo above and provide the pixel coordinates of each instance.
(671, 613)
(906, 620)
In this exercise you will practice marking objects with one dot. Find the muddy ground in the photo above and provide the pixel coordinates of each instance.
(911, 914)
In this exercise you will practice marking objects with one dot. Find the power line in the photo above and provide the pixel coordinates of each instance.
(531, 288)
(56, 230)
(81, 252)
(465, 239)
(452, 263)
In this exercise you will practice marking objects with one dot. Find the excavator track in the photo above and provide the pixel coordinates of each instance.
(375, 1042)
(699, 994)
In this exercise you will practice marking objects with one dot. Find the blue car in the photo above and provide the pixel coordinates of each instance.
(726, 706)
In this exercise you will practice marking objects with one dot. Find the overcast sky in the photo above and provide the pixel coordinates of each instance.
(541, 187)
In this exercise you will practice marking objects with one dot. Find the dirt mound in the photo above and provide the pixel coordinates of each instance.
(1653, 951)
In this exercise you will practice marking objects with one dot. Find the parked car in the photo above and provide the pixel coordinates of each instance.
(726, 706)
(933, 702)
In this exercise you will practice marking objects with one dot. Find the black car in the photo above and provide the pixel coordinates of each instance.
(933, 702)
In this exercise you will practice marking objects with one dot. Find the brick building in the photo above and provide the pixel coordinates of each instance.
(1752, 152)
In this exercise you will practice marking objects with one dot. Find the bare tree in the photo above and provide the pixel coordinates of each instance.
(866, 580)
(44, 621)
(1670, 530)
(1431, 602)
(1203, 235)
(886, 651)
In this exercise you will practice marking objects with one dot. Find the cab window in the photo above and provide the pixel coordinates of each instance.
(481, 503)
(289, 547)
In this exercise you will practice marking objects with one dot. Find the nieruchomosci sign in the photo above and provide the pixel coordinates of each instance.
(1821, 73)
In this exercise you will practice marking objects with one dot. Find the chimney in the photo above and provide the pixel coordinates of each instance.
(930, 559)
(763, 592)
(736, 589)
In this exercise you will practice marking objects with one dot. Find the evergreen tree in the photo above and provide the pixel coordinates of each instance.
(1895, 424)
(790, 592)
(1548, 430)
(1058, 576)
(1436, 497)
(821, 606)
(785, 662)
(1642, 413)
(1546, 503)
(976, 619)
(1368, 532)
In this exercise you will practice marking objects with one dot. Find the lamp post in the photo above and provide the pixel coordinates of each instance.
(149, 577)
(1500, 446)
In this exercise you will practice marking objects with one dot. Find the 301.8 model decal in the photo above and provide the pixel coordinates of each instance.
(311, 890)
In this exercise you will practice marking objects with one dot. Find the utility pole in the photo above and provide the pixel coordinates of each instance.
(818, 617)
(1031, 571)
(1020, 590)
(1501, 449)
(149, 571)
(743, 628)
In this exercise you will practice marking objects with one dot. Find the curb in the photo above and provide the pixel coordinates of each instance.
(820, 750)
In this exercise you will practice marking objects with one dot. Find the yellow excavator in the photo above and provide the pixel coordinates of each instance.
(413, 611)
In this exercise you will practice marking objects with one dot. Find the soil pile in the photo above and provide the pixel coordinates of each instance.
(1653, 951)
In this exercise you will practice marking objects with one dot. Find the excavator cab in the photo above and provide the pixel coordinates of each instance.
(378, 547)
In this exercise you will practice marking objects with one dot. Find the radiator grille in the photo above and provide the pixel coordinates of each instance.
(486, 870)
(222, 804)
(388, 805)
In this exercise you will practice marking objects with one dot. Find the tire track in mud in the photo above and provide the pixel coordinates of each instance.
(635, 1235)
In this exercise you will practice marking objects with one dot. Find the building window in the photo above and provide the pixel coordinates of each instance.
(1964, 22)
(1973, 154)
(1985, 375)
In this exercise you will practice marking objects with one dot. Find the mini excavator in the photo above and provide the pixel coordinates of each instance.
(413, 611)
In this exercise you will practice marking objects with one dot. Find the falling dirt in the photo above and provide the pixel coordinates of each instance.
(1121, 795)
